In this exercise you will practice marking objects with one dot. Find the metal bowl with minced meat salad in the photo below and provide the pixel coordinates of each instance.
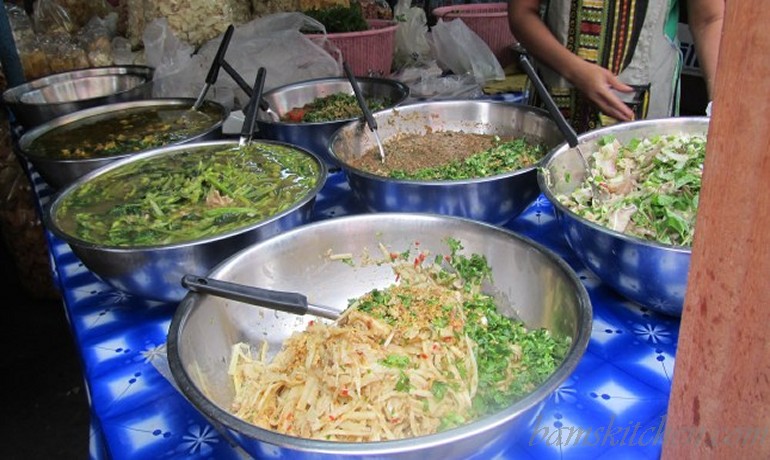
(187, 196)
(449, 155)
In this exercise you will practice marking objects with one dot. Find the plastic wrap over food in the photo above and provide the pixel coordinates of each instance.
(34, 61)
(192, 21)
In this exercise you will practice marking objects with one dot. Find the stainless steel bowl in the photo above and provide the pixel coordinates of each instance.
(155, 272)
(60, 172)
(536, 284)
(651, 274)
(46, 98)
(494, 199)
(315, 136)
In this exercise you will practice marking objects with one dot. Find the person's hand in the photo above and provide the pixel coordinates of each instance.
(597, 83)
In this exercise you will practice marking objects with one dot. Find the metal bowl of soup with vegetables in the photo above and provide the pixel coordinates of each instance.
(307, 113)
(143, 222)
(451, 335)
(72, 145)
(630, 217)
(466, 158)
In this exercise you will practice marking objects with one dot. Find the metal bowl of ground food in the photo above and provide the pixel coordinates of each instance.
(46, 98)
(72, 145)
(307, 113)
(631, 218)
(394, 378)
(466, 158)
(142, 222)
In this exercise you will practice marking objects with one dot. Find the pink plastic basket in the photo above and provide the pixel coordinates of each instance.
(489, 21)
(369, 52)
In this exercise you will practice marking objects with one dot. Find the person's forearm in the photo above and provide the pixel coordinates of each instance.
(705, 19)
(533, 34)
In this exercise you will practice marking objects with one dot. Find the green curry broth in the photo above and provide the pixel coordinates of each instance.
(128, 131)
(188, 195)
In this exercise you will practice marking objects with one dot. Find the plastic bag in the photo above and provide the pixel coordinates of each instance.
(274, 42)
(459, 49)
(412, 47)
(50, 18)
(96, 39)
(193, 21)
(427, 82)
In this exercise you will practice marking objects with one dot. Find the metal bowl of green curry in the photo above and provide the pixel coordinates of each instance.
(142, 222)
(465, 158)
(307, 113)
(72, 145)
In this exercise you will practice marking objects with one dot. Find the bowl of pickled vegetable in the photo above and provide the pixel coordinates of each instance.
(451, 337)
(142, 222)
(466, 158)
(307, 113)
(630, 217)
(67, 147)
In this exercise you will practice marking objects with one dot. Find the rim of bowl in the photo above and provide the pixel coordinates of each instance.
(563, 371)
(402, 87)
(14, 95)
(345, 166)
(109, 109)
(50, 210)
(543, 180)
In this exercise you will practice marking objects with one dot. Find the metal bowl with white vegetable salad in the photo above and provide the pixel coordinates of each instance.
(630, 217)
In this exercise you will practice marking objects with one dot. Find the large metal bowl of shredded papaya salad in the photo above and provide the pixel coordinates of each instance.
(466, 158)
(143, 222)
(631, 217)
(452, 334)
(67, 147)
(307, 113)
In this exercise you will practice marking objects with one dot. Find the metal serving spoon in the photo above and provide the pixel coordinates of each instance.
(289, 302)
(564, 126)
(370, 121)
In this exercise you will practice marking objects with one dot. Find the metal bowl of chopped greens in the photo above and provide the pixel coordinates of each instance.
(68, 147)
(631, 218)
(307, 113)
(466, 158)
(141, 223)
(520, 334)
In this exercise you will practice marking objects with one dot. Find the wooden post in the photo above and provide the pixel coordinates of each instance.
(720, 399)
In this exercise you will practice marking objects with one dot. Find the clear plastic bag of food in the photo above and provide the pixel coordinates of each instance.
(33, 59)
(192, 21)
(412, 47)
(50, 18)
(96, 39)
(64, 54)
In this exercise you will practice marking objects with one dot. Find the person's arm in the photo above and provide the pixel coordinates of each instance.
(705, 19)
(594, 81)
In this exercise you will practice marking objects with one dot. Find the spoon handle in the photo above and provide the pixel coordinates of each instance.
(360, 97)
(290, 302)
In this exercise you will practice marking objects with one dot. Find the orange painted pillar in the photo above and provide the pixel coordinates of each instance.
(720, 399)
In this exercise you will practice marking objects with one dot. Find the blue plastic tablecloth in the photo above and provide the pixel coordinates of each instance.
(613, 406)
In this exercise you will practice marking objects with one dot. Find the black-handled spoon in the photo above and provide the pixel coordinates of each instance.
(370, 121)
(289, 302)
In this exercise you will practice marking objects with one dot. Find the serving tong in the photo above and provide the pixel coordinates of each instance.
(220, 62)
(289, 302)
(370, 121)
(566, 129)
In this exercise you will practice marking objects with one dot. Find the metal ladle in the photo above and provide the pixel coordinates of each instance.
(370, 121)
(289, 302)
(564, 126)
